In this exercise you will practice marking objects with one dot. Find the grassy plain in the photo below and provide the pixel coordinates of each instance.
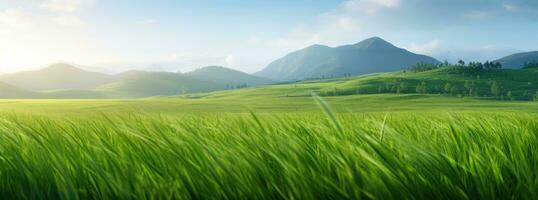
(270, 142)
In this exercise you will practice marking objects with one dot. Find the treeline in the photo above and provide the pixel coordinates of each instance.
(476, 66)
(236, 86)
(468, 88)
(529, 65)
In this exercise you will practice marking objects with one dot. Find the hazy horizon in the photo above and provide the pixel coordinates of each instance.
(114, 36)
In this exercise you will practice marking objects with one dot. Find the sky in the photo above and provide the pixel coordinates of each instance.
(176, 35)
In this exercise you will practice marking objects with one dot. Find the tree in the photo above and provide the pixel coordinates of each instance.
(498, 65)
(453, 90)
(401, 88)
(495, 89)
(461, 63)
(532, 64)
(422, 88)
(487, 65)
(470, 86)
(447, 88)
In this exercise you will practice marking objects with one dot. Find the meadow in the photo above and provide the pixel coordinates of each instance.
(383, 146)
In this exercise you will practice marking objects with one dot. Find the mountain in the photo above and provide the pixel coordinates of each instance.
(226, 77)
(56, 77)
(9, 91)
(144, 84)
(368, 56)
(518, 60)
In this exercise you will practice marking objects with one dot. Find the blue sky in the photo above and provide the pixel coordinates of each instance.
(176, 35)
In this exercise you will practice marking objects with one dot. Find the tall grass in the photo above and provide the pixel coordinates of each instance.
(372, 156)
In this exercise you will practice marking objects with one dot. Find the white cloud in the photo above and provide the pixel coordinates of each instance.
(426, 48)
(368, 6)
(73, 21)
(29, 40)
(510, 7)
(230, 60)
(478, 15)
(15, 19)
(387, 3)
(61, 5)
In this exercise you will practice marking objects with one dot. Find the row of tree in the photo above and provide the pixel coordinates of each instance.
(421, 67)
(237, 86)
(468, 88)
(533, 64)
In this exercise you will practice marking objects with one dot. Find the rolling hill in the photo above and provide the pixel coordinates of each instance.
(144, 84)
(501, 84)
(56, 77)
(369, 56)
(9, 91)
(66, 81)
(226, 77)
(518, 60)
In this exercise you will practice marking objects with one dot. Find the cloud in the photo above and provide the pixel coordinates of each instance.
(510, 7)
(61, 5)
(73, 21)
(45, 38)
(426, 48)
(368, 6)
(341, 25)
(15, 19)
(230, 60)
(526, 7)
(478, 15)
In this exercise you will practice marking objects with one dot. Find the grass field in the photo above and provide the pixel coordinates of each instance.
(250, 146)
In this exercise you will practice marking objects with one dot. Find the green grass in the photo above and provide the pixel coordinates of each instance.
(270, 142)
(286, 156)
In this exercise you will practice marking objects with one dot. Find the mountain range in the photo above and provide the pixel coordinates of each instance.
(317, 61)
(368, 56)
(56, 77)
(518, 60)
(67, 81)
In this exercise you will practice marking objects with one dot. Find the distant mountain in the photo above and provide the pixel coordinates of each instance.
(518, 60)
(144, 84)
(368, 56)
(226, 77)
(9, 91)
(55, 77)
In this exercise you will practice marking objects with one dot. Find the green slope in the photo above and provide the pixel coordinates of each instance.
(226, 77)
(518, 60)
(144, 84)
(57, 77)
(9, 91)
(511, 84)
(369, 56)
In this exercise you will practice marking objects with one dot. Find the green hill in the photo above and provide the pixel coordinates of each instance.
(518, 60)
(498, 84)
(226, 77)
(57, 77)
(144, 84)
(8, 91)
(369, 56)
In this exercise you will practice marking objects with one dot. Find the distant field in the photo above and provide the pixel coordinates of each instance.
(244, 102)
